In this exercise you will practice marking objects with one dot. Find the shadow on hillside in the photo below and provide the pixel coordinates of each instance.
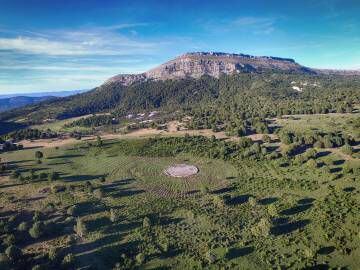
(269, 200)
(289, 227)
(296, 209)
(223, 190)
(115, 184)
(66, 156)
(239, 252)
(84, 177)
(322, 154)
(326, 250)
(125, 192)
(349, 189)
(238, 199)
(306, 201)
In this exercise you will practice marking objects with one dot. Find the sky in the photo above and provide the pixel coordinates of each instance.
(48, 45)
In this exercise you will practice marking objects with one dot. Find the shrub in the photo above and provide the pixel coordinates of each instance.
(266, 138)
(53, 176)
(285, 137)
(98, 193)
(272, 210)
(53, 254)
(4, 261)
(38, 267)
(327, 140)
(68, 261)
(312, 163)
(347, 149)
(37, 216)
(204, 189)
(37, 230)
(80, 227)
(252, 201)
(72, 210)
(15, 174)
(43, 176)
(39, 155)
(318, 144)
(262, 228)
(210, 257)
(218, 201)
(114, 215)
(13, 252)
(57, 188)
(9, 240)
(23, 226)
(140, 258)
(146, 222)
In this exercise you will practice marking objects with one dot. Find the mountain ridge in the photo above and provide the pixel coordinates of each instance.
(197, 64)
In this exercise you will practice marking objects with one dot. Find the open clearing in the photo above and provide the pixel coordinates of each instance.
(183, 215)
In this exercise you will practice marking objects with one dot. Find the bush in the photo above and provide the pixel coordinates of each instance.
(38, 267)
(98, 193)
(140, 258)
(9, 240)
(15, 174)
(23, 226)
(53, 176)
(312, 163)
(347, 149)
(146, 222)
(37, 216)
(53, 254)
(72, 210)
(318, 144)
(4, 261)
(80, 227)
(262, 228)
(14, 253)
(266, 138)
(114, 215)
(68, 261)
(57, 188)
(37, 230)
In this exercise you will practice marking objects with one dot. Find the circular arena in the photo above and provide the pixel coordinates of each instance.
(181, 170)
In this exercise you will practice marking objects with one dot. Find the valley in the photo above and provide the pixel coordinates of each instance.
(209, 161)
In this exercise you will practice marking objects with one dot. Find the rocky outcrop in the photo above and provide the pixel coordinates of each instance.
(197, 64)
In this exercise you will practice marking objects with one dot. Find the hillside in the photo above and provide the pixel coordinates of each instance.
(197, 79)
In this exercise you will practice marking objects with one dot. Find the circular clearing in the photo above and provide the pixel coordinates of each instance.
(181, 170)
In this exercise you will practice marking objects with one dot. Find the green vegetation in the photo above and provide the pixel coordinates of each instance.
(113, 207)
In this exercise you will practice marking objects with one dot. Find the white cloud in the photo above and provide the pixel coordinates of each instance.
(83, 41)
(257, 25)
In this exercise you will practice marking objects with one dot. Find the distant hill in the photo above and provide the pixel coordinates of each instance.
(19, 101)
(45, 94)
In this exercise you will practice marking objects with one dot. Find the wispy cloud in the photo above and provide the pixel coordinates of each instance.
(258, 25)
(85, 41)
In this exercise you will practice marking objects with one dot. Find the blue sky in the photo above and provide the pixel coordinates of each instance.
(48, 45)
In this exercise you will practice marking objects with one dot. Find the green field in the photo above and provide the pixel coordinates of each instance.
(251, 214)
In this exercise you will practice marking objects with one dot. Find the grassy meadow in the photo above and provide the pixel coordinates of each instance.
(252, 214)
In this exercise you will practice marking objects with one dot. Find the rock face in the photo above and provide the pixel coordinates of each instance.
(197, 64)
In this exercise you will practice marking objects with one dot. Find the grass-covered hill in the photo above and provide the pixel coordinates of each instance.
(255, 94)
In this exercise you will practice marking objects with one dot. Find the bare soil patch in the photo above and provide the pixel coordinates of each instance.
(181, 170)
